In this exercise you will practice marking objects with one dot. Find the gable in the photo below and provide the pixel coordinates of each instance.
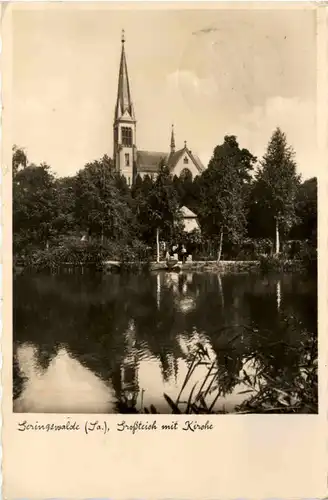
(184, 161)
(187, 213)
(126, 116)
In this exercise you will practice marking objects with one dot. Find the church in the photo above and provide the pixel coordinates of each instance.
(131, 161)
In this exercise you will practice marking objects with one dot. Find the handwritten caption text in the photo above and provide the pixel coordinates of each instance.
(104, 427)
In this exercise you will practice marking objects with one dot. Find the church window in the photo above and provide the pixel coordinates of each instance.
(129, 181)
(185, 160)
(127, 160)
(126, 136)
(186, 174)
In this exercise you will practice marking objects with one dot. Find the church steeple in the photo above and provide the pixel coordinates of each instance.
(124, 123)
(172, 140)
(124, 102)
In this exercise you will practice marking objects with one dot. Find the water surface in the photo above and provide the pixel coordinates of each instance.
(82, 342)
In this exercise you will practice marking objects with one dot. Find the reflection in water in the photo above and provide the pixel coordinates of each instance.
(278, 294)
(220, 289)
(85, 343)
(158, 282)
(65, 386)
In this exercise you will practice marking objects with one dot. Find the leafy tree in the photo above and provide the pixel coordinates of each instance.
(306, 210)
(19, 159)
(223, 192)
(35, 206)
(277, 185)
(65, 222)
(257, 224)
(158, 207)
(140, 192)
(186, 188)
(100, 208)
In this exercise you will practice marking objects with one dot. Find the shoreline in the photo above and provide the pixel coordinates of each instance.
(227, 266)
(201, 266)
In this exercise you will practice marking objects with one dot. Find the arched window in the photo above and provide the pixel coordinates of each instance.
(126, 136)
(186, 174)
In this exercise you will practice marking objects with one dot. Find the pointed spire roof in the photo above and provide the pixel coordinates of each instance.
(124, 103)
(172, 140)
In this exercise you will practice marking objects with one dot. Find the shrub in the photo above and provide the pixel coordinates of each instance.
(272, 264)
(309, 258)
(73, 251)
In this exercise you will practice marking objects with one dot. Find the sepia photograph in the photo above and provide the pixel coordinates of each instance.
(164, 200)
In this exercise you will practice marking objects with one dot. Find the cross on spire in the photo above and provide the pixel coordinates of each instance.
(123, 36)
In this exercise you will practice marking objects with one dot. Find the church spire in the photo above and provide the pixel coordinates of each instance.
(172, 140)
(124, 102)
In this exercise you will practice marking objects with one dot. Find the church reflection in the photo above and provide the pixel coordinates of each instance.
(113, 338)
(126, 383)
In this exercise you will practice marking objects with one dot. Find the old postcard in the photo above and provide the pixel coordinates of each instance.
(164, 240)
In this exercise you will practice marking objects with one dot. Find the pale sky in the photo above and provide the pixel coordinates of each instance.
(210, 72)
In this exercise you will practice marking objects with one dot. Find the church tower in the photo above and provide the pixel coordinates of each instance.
(124, 124)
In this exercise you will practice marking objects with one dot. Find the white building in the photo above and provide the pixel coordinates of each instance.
(190, 221)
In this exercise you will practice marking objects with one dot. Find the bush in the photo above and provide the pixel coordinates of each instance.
(309, 258)
(72, 251)
(247, 249)
(272, 264)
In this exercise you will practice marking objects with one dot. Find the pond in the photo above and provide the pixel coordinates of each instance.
(83, 343)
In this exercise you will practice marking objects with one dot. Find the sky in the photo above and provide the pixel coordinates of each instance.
(211, 73)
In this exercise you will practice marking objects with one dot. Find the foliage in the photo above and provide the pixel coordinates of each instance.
(187, 190)
(272, 264)
(269, 391)
(65, 193)
(234, 210)
(277, 184)
(35, 206)
(101, 207)
(19, 159)
(274, 392)
(306, 211)
(309, 258)
(157, 206)
(73, 251)
(222, 189)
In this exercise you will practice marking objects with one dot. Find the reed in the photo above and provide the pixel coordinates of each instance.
(266, 393)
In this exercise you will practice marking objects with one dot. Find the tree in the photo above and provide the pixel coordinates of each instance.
(158, 206)
(19, 159)
(35, 206)
(306, 211)
(186, 188)
(277, 184)
(140, 192)
(100, 208)
(223, 192)
(65, 222)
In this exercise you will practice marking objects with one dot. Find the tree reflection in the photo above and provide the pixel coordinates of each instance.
(113, 323)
